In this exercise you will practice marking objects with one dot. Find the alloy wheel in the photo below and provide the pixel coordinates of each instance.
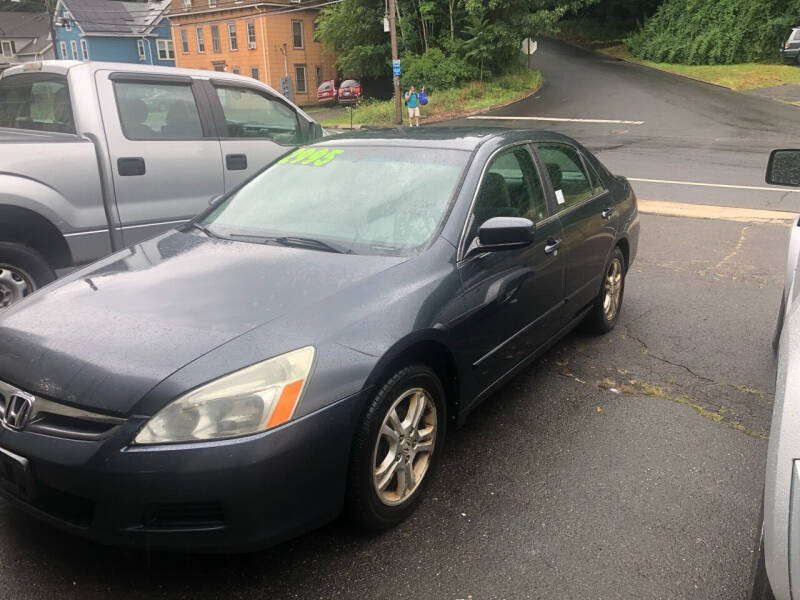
(15, 284)
(613, 289)
(404, 447)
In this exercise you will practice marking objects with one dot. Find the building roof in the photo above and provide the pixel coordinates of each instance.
(24, 25)
(37, 46)
(115, 17)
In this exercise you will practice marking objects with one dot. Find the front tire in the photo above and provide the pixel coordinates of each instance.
(396, 448)
(22, 272)
(605, 312)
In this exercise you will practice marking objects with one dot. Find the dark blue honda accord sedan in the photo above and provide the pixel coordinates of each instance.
(302, 347)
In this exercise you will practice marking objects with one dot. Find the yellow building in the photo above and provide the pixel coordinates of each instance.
(265, 40)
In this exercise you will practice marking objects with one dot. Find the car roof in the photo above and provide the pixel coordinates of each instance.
(451, 138)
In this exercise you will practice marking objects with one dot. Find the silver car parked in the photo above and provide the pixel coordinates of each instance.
(776, 565)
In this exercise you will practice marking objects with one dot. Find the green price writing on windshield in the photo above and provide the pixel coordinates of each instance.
(311, 156)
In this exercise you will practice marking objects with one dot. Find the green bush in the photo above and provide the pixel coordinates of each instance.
(712, 32)
(435, 71)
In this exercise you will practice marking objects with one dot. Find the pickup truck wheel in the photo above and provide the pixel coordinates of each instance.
(22, 272)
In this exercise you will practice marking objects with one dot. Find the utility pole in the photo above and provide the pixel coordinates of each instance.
(398, 108)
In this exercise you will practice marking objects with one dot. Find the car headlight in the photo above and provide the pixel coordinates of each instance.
(248, 401)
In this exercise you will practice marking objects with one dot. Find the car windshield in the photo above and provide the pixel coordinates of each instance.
(364, 200)
(349, 83)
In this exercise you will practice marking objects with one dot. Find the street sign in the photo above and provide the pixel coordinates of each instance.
(396, 68)
(529, 46)
(286, 88)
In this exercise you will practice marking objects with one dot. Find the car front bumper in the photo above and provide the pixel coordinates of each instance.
(231, 495)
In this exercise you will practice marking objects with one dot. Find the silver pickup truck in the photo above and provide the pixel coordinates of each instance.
(98, 156)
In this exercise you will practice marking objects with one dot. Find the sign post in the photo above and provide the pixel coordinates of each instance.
(529, 47)
(398, 109)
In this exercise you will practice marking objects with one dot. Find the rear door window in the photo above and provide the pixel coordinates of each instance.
(571, 183)
(249, 114)
(37, 101)
(157, 111)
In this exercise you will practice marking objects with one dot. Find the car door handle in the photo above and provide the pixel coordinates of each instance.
(128, 166)
(236, 162)
(608, 212)
(552, 246)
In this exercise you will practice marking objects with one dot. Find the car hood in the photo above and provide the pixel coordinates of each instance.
(105, 335)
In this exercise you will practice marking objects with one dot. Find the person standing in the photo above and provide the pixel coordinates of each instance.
(412, 102)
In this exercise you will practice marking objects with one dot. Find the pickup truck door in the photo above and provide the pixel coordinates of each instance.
(164, 153)
(255, 128)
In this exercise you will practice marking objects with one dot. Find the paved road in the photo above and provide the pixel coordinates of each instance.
(692, 132)
(557, 487)
(623, 466)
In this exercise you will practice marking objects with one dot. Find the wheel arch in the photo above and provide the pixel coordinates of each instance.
(24, 226)
(427, 349)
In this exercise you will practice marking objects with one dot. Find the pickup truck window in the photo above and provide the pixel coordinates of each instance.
(249, 114)
(37, 101)
(157, 111)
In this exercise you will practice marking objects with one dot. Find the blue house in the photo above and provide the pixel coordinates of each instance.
(115, 31)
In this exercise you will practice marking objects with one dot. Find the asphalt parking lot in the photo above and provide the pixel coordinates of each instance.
(623, 466)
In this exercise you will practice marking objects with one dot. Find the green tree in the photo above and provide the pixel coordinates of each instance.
(486, 33)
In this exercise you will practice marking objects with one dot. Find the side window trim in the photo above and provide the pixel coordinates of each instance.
(219, 113)
(206, 122)
(467, 222)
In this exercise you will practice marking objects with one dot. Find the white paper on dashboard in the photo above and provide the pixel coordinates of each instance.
(559, 196)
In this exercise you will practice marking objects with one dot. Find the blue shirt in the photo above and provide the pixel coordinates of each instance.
(412, 100)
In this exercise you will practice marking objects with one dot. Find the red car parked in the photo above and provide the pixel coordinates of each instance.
(349, 91)
(328, 91)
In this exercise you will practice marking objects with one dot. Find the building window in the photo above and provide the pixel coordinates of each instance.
(67, 18)
(5, 48)
(184, 41)
(254, 72)
(251, 35)
(215, 39)
(74, 47)
(187, 3)
(201, 42)
(140, 47)
(235, 70)
(318, 71)
(64, 51)
(166, 49)
(84, 50)
(232, 36)
(297, 34)
(212, 3)
(300, 79)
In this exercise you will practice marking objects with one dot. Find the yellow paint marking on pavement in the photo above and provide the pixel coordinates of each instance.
(706, 211)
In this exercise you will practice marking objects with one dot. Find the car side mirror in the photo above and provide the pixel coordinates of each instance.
(503, 233)
(315, 132)
(784, 168)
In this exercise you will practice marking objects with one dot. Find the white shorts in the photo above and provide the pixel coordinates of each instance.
(413, 112)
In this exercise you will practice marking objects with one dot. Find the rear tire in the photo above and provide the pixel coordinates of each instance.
(396, 449)
(22, 272)
(608, 305)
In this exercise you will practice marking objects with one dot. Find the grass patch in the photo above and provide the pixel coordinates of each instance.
(446, 104)
(748, 76)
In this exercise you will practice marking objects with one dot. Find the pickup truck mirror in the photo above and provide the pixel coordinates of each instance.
(784, 168)
(315, 132)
